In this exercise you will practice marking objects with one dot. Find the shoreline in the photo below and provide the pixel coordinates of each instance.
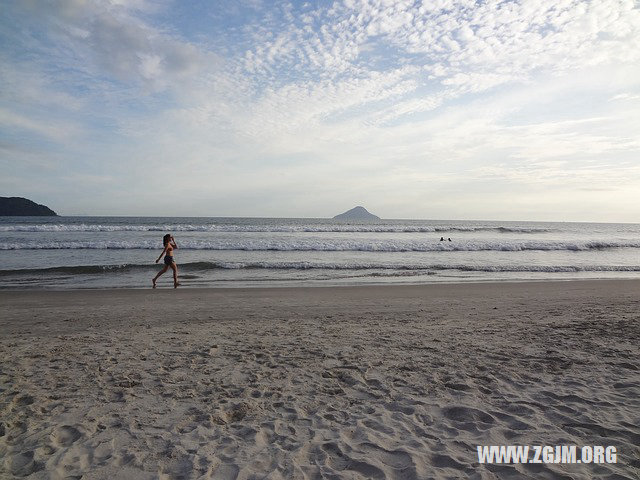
(393, 285)
(392, 381)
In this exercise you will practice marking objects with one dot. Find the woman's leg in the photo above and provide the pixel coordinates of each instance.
(164, 269)
(175, 274)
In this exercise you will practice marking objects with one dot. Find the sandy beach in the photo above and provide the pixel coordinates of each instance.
(397, 382)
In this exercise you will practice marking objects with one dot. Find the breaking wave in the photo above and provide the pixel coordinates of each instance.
(330, 245)
(326, 228)
(397, 269)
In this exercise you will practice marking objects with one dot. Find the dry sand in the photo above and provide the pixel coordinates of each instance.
(366, 382)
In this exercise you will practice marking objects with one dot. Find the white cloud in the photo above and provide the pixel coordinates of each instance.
(626, 96)
(12, 120)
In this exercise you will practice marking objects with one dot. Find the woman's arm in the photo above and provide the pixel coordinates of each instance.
(163, 252)
(173, 243)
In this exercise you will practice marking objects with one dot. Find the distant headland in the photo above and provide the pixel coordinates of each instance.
(357, 213)
(22, 207)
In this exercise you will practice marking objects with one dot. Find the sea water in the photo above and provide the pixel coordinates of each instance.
(99, 252)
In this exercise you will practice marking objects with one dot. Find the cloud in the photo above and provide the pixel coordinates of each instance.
(462, 47)
(132, 51)
(11, 120)
(626, 96)
(110, 40)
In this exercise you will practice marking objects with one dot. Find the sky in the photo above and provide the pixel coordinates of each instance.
(497, 110)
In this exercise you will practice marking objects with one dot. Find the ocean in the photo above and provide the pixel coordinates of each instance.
(119, 252)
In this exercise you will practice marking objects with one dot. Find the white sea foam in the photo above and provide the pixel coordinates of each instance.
(415, 268)
(329, 245)
(372, 268)
(317, 228)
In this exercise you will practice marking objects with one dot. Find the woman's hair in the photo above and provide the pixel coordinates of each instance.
(166, 239)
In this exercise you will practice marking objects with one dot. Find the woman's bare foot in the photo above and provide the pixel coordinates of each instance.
(176, 284)
(154, 283)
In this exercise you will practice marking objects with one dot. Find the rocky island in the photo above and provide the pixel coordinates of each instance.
(22, 207)
(356, 213)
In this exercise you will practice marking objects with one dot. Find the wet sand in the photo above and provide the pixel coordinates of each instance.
(396, 382)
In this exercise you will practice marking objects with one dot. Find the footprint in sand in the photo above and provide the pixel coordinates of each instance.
(225, 472)
(23, 400)
(21, 464)
(15, 432)
(237, 412)
(65, 435)
(467, 418)
(45, 451)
